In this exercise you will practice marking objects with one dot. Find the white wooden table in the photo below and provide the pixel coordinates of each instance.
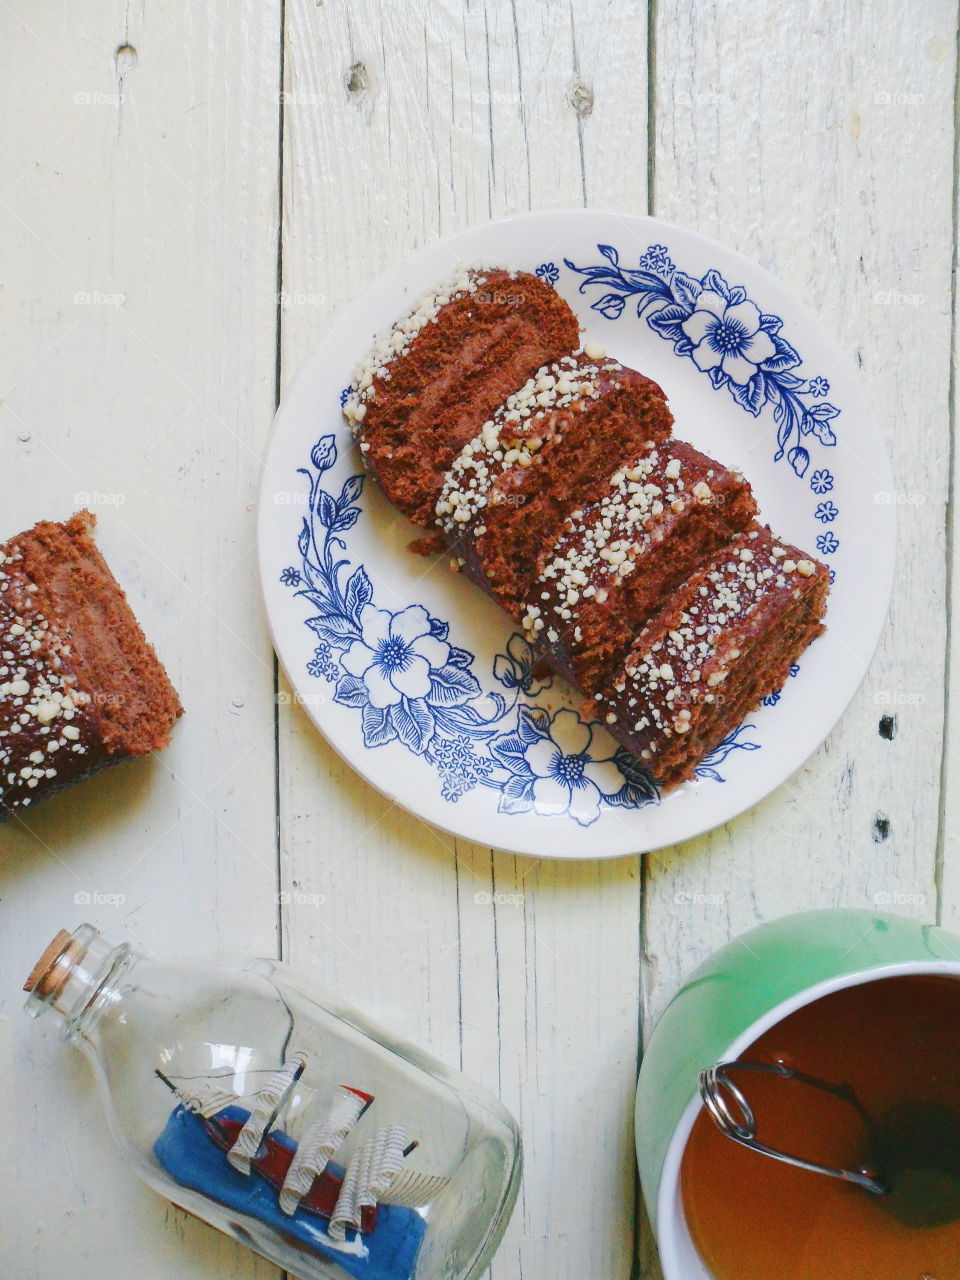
(189, 191)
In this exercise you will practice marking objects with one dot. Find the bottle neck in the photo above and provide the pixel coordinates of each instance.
(77, 978)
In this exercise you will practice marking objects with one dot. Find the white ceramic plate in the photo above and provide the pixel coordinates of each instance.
(487, 754)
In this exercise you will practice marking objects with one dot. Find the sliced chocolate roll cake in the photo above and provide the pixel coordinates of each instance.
(80, 687)
(722, 641)
(547, 449)
(431, 383)
(633, 562)
(660, 516)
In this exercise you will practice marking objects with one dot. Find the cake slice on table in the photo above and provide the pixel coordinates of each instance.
(438, 375)
(661, 515)
(80, 687)
(722, 641)
(550, 447)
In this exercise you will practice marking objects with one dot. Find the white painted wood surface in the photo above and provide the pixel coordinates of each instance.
(188, 192)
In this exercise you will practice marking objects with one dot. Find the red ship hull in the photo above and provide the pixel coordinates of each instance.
(272, 1162)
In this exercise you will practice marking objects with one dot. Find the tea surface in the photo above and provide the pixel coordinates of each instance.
(896, 1041)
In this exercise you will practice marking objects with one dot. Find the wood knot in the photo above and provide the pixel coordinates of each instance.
(888, 727)
(881, 828)
(125, 56)
(358, 80)
(581, 99)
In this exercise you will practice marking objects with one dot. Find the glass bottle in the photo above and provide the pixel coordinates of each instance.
(266, 1107)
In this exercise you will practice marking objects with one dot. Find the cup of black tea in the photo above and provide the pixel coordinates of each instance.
(798, 1109)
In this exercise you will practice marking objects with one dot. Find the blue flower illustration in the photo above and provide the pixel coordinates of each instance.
(453, 784)
(548, 272)
(343, 396)
(825, 512)
(515, 668)
(827, 543)
(290, 577)
(821, 481)
(657, 258)
(322, 664)
(771, 699)
(833, 576)
(459, 766)
(395, 654)
(550, 769)
(818, 386)
(564, 777)
(727, 335)
(795, 669)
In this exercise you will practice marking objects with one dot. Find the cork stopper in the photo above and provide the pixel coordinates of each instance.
(49, 975)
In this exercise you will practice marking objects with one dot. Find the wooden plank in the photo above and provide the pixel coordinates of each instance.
(401, 125)
(949, 836)
(139, 211)
(792, 133)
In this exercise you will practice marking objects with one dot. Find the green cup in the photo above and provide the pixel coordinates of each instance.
(743, 990)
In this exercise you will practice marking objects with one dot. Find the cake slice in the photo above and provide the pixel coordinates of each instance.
(660, 516)
(433, 380)
(722, 641)
(549, 448)
(80, 687)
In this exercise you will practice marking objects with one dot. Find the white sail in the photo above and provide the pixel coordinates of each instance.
(347, 1211)
(386, 1162)
(317, 1146)
(206, 1100)
(413, 1189)
(268, 1102)
(371, 1169)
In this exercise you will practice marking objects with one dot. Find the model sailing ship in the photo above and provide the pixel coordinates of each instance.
(304, 1174)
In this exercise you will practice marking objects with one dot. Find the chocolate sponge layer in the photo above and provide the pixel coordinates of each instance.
(435, 395)
(80, 687)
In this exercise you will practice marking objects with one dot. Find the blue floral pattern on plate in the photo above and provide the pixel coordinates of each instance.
(410, 685)
(725, 334)
(398, 668)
